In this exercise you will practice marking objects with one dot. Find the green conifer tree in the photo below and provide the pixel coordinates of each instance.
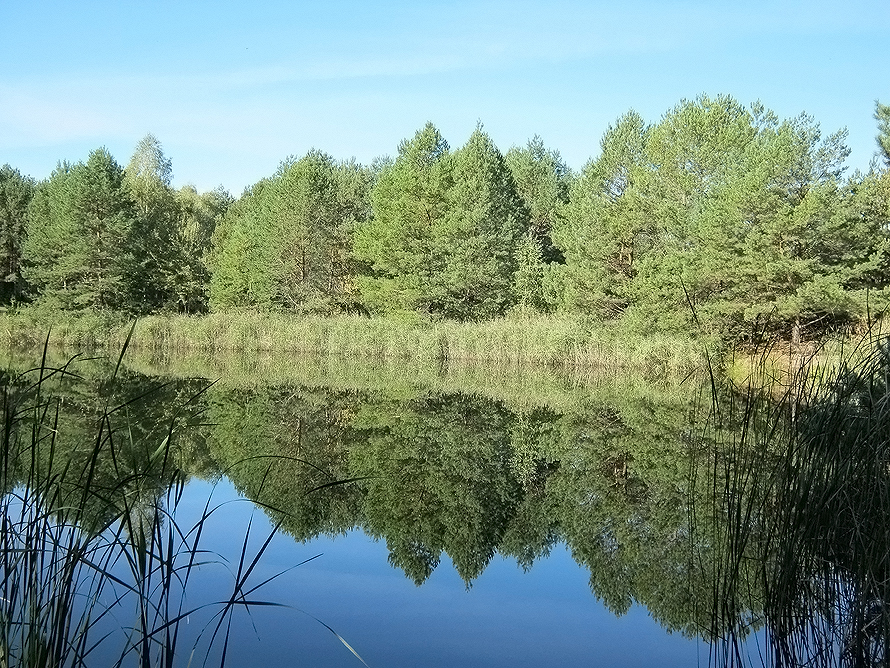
(398, 244)
(79, 235)
(481, 234)
(882, 115)
(446, 230)
(16, 192)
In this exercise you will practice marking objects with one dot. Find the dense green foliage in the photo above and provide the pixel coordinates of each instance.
(101, 237)
(79, 246)
(719, 219)
(402, 243)
(445, 231)
(542, 180)
(882, 115)
(726, 215)
(287, 243)
(172, 234)
(604, 230)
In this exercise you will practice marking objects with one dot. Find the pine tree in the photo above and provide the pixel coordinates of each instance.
(481, 233)
(604, 230)
(79, 243)
(397, 245)
(16, 192)
(445, 233)
(235, 251)
(723, 219)
(882, 116)
(287, 243)
(542, 180)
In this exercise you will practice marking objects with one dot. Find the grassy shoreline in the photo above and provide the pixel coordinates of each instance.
(516, 340)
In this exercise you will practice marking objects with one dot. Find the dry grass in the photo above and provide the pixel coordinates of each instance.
(516, 340)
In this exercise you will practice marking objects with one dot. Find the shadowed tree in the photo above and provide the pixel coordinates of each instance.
(542, 180)
(16, 192)
(604, 230)
(199, 214)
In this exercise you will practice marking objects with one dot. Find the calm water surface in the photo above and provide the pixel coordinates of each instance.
(509, 617)
(440, 521)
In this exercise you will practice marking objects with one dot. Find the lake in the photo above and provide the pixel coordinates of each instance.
(437, 517)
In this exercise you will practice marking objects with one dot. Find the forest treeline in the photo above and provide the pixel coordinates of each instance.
(719, 218)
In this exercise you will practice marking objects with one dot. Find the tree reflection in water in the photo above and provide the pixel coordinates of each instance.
(757, 524)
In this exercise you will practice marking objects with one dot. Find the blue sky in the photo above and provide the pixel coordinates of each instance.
(231, 89)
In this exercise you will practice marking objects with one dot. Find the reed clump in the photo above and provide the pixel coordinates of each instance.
(95, 559)
(801, 516)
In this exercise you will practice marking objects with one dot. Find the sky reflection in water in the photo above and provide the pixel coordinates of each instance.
(508, 617)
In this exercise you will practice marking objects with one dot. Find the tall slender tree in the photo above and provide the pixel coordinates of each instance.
(605, 230)
(542, 180)
(199, 214)
(397, 243)
(16, 192)
(158, 258)
(882, 116)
